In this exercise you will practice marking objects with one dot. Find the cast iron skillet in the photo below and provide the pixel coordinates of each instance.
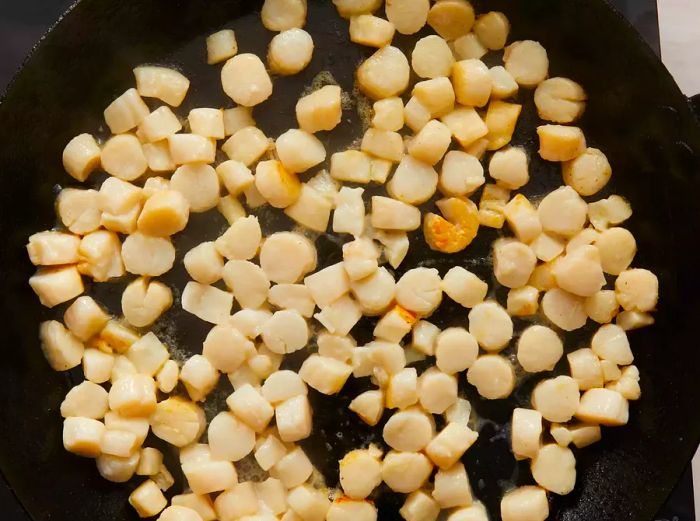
(636, 114)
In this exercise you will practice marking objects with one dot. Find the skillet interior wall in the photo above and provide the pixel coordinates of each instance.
(635, 115)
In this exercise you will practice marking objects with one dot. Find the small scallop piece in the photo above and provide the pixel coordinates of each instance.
(564, 309)
(388, 114)
(221, 46)
(472, 83)
(390, 214)
(343, 509)
(586, 369)
(207, 302)
(469, 47)
(286, 257)
(602, 307)
(466, 125)
(290, 52)
(292, 296)
(204, 263)
(283, 385)
(523, 302)
(165, 213)
(415, 181)
(159, 125)
(526, 433)
(246, 145)
(431, 143)
(561, 143)
(525, 504)
(144, 301)
(328, 285)
(248, 283)
(560, 100)
(432, 57)
(451, 18)
(451, 487)
(149, 256)
(419, 506)
(420, 290)
(539, 349)
(408, 16)
(588, 173)
(369, 406)
(371, 31)
(79, 210)
(163, 83)
(375, 292)
(242, 239)
(617, 248)
(360, 258)
(525, 223)
(492, 29)
(557, 399)
(285, 332)
(207, 122)
(281, 15)
(563, 212)
(437, 391)
(405, 472)
(461, 175)
(229, 438)
(245, 80)
(294, 419)
(580, 272)
(298, 150)
(436, 95)
(320, 110)
(159, 159)
(126, 112)
(503, 84)
(385, 74)
(513, 262)
(383, 144)
(326, 375)
(491, 325)
(81, 156)
(554, 469)
(613, 210)
(527, 62)
(455, 350)
(610, 343)
(409, 430)
(52, 248)
(85, 400)
(510, 168)
(416, 115)
(198, 184)
(100, 257)
(450, 444)
(464, 287)
(191, 148)
(604, 407)
(493, 376)
(276, 185)
(637, 290)
(629, 320)
(123, 157)
(501, 119)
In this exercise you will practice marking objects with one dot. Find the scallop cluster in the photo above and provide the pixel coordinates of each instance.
(565, 261)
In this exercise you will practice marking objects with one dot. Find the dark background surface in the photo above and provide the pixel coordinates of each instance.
(22, 23)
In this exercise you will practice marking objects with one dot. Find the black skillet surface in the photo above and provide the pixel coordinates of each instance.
(636, 115)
